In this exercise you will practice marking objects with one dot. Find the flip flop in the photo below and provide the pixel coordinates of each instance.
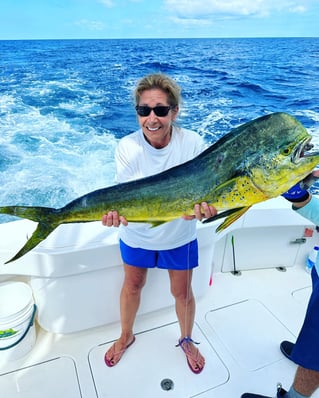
(109, 362)
(189, 355)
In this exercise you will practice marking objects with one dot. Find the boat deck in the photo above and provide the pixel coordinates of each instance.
(240, 323)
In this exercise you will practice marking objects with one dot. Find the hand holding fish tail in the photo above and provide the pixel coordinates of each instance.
(113, 219)
(202, 210)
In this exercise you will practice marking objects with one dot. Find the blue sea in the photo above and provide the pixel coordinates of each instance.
(64, 104)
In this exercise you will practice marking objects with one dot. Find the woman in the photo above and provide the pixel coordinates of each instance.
(158, 145)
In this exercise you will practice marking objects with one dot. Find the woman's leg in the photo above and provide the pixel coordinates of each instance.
(134, 281)
(181, 288)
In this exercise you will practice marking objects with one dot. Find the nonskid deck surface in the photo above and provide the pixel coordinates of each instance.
(239, 323)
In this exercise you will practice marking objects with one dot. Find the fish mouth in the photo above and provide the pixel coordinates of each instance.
(303, 150)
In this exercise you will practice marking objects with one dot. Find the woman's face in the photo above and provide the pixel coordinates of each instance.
(157, 129)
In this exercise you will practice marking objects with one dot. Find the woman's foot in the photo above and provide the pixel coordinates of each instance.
(195, 360)
(115, 353)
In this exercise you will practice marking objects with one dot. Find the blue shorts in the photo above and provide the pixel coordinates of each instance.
(181, 258)
(306, 350)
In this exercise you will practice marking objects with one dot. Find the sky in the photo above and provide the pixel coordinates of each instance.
(108, 19)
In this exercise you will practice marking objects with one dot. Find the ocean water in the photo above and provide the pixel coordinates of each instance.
(64, 104)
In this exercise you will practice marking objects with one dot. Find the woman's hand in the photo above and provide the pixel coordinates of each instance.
(113, 219)
(202, 210)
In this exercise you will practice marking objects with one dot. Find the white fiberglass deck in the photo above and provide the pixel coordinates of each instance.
(240, 324)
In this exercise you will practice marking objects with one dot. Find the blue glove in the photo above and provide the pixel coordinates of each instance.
(296, 193)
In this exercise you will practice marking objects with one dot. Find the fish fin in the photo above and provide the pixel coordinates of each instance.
(157, 223)
(223, 214)
(36, 214)
(232, 218)
(42, 231)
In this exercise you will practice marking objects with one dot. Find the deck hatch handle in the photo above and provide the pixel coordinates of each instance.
(299, 241)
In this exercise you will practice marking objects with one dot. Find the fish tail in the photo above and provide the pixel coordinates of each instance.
(43, 230)
(46, 218)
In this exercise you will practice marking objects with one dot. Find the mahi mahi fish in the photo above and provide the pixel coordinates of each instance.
(254, 162)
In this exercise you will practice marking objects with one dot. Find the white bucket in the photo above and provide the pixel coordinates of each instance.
(17, 311)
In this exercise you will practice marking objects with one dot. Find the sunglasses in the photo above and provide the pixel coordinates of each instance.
(161, 111)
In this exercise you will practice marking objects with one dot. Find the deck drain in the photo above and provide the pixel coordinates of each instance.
(281, 269)
(167, 384)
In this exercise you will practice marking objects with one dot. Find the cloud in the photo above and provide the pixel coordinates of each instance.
(107, 3)
(195, 22)
(298, 9)
(232, 8)
(90, 25)
(111, 3)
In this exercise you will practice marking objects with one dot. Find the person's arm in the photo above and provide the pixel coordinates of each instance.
(309, 210)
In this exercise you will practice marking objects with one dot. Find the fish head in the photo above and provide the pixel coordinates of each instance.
(284, 157)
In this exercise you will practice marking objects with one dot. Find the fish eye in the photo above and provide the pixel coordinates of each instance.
(286, 152)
